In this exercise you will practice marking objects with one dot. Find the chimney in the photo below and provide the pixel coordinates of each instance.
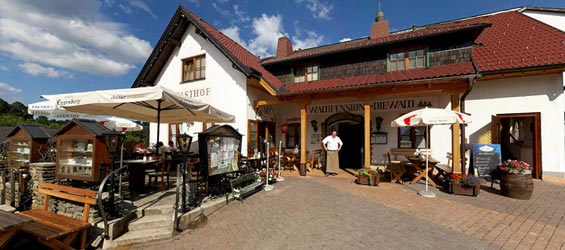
(284, 47)
(380, 27)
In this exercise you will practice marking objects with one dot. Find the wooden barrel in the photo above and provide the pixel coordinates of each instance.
(518, 186)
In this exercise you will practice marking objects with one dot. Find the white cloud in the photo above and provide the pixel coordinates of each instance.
(223, 12)
(345, 39)
(267, 30)
(73, 36)
(241, 16)
(125, 9)
(36, 70)
(196, 2)
(3, 68)
(233, 33)
(10, 93)
(8, 89)
(313, 39)
(319, 9)
(143, 6)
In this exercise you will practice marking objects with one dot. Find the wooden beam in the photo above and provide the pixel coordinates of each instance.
(174, 42)
(367, 133)
(302, 169)
(266, 86)
(456, 136)
(556, 70)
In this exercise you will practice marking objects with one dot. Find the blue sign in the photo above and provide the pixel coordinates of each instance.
(485, 158)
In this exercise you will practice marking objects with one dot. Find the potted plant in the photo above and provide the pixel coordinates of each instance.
(516, 179)
(367, 176)
(464, 184)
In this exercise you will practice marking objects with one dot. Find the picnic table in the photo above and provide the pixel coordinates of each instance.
(9, 224)
(420, 166)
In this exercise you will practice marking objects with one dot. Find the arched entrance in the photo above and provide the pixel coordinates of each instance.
(349, 128)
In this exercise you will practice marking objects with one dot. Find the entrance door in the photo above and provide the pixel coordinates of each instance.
(351, 154)
(519, 136)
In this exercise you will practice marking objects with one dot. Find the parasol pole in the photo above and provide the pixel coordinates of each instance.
(426, 193)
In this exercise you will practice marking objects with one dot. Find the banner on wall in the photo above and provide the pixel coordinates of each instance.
(406, 104)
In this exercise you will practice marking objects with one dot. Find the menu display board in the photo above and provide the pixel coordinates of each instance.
(485, 158)
(224, 153)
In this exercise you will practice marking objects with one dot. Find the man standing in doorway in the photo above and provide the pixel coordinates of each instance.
(332, 144)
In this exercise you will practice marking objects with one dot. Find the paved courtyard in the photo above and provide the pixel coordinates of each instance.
(317, 212)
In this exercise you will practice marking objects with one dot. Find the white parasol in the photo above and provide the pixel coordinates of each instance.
(426, 117)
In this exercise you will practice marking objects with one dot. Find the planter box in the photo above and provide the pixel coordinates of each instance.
(517, 186)
(455, 188)
(364, 180)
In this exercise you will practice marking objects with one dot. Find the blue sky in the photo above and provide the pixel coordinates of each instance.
(58, 46)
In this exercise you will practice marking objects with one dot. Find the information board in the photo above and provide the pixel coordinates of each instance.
(485, 158)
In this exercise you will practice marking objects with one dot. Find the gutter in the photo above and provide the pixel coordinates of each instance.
(470, 83)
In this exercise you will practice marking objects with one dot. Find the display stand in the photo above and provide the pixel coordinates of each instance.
(267, 186)
(279, 177)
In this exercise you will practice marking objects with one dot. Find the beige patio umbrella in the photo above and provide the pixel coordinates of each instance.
(153, 104)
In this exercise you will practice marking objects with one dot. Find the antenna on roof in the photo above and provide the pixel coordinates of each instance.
(379, 6)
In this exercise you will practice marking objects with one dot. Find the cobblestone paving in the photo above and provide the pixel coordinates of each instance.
(334, 213)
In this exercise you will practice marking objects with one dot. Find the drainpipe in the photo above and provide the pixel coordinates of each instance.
(470, 83)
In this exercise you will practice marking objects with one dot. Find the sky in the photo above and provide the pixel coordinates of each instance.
(61, 46)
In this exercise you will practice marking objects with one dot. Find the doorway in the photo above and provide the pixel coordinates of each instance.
(349, 128)
(519, 136)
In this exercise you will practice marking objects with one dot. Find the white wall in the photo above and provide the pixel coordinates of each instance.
(542, 94)
(224, 87)
(440, 135)
(554, 19)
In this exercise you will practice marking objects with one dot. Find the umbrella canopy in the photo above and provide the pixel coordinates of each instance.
(430, 116)
(51, 109)
(426, 117)
(152, 104)
(120, 124)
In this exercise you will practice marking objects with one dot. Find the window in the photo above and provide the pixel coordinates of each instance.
(400, 61)
(293, 135)
(194, 68)
(306, 74)
(412, 137)
(174, 131)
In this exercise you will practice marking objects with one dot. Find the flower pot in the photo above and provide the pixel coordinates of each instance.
(372, 180)
(518, 186)
(456, 188)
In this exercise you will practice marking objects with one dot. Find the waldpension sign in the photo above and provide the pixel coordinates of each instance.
(377, 105)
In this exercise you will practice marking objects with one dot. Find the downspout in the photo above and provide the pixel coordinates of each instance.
(470, 83)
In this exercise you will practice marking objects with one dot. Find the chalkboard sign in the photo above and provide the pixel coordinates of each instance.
(485, 158)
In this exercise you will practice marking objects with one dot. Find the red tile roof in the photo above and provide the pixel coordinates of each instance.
(517, 41)
(371, 80)
(238, 51)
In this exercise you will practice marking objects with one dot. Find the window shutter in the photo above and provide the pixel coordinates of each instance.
(427, 57)
(319, 72)
(291, 75)
(387, 62)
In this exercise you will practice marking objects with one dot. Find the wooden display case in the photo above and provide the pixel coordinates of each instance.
(81, 150)
(25, 143)
(220, 149)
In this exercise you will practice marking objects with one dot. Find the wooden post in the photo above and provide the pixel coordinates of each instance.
(456, 136)
(367, 134)
(303, 136)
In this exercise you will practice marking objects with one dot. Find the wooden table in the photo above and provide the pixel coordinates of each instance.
(9, 224)
(420, 166)
(137, 173)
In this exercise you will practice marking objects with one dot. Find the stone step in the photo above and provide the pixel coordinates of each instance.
(155, 210)
(143, 236)
(152, 221)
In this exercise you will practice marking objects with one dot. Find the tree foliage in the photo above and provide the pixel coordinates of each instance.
(16, 113)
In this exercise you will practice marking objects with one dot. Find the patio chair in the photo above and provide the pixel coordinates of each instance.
(396, 169)
(164, 172)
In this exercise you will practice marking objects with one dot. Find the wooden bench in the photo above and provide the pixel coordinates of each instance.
(444, 170)
(55, 230)
(245, 186)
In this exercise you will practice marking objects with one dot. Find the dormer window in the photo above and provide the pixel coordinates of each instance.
(305, 74)
(407, 59)
(194, 68)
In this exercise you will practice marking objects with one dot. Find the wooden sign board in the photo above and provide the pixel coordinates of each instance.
(485, 158)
